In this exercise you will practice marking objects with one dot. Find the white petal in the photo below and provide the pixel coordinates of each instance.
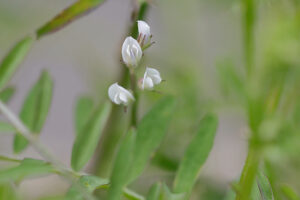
(113, 91)
(131, 52)
(119, 95)
(148, 83)
(154, 75)
(144, 31)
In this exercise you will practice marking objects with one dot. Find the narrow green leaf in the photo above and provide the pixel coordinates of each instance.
(13, 59)
(35, 109)
(154, 192)
(6, 127)
(76, 10)
(120, 173)
(83, 110)
(289, 193)
(6, 94)
(166, 194)
(86, 141)
(265, 189)
(150, 132)
(90, 183)
(27, 168)
(8, 192)
(196, 155)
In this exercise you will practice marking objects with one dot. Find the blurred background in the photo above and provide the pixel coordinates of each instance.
(193, 40)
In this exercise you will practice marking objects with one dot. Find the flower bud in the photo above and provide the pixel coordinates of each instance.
(119, 95)
(144, 33)
(131, 52)
(151, 78)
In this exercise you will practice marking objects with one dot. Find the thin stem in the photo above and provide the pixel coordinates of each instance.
(134, 112)
(5, 158)
(70, 175)
(249, 173)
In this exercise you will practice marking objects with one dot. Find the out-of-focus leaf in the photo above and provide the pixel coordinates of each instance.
(165, 162)
(196, 154)
(150, 132)
(35, 109)
(13, 59)
(123, 162)
(7, 192)
(76, 10)
(6, 127)
(83, 111)
(86, 141)
(154, 192)
(53, 198)
(6, 94)
(90, 183)
(231, 81)
(27, 168)
(289, 193)
(230, 195)
(265, 189)
(166, 194)
(131, 195)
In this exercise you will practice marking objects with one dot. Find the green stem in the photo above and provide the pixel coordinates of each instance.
(248, 31)
(251, 165)
(134, 112)
(40, 148)
(248, 173)
(5, 158)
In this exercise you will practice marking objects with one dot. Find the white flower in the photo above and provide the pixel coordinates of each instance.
(144, 33)
(131, 52)
(151, 78)
(119, 95)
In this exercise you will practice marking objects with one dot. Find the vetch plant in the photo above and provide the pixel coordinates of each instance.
(123, 148)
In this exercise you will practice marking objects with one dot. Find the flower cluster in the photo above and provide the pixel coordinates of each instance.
(132, 52)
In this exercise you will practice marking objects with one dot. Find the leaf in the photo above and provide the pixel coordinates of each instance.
(90, 183)
(7, 192)
(166, 194)
(83, 111)
(154, 192)
(6, 127)
(120, 173)
(13, 59)
(289, 193)
(231, 80)
(196, 155)
(150, 132)
(86, 141)
(27, 168)
(35, 109)
(264, 187)
(76, 10)
(6, 94)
